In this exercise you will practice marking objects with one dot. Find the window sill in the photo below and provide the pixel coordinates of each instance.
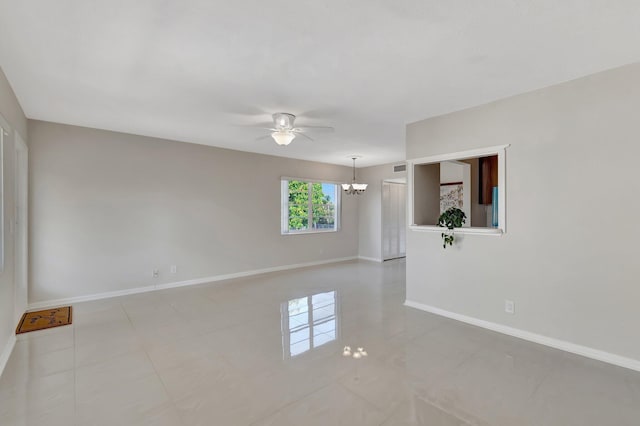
(496, 232)
(327, 231)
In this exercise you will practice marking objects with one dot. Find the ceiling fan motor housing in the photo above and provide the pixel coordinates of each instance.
(283, 120)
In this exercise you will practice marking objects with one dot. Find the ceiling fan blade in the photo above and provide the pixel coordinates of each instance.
(304, 136)
(263, 137)
(271, 129)
(265, 126)
(314, 129)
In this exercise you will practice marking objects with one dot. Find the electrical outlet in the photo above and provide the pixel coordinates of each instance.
(509, 307)
(156, 273)
(174, 269)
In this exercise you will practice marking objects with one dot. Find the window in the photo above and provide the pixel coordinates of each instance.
(473, 181)
(309, 206)
(308, 323)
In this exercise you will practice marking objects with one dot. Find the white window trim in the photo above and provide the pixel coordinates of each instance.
(310, 180)
(5, 130)
(500, 151)
(284, 206)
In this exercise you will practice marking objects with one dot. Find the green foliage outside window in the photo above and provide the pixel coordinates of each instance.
(323, 208)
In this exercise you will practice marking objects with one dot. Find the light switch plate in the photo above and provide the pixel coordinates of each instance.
(509, 306)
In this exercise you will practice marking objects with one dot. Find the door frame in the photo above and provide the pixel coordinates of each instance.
(396, 181)
(21, 226)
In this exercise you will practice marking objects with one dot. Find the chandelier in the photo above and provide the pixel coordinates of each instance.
(354, 188)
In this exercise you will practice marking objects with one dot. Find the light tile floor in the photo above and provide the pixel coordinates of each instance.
(267, 350)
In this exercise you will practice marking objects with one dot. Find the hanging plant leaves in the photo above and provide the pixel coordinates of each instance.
(450, 219)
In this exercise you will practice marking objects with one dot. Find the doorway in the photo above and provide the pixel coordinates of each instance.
(394, 219)
(21, 225)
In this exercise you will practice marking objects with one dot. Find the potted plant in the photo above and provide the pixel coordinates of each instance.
(450, 219)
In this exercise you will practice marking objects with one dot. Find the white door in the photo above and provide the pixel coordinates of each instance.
(21, 225)
(394, 220)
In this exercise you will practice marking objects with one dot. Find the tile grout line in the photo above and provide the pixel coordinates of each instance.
(360, 398)
(270, 413)
(146, 354)
(548, 374)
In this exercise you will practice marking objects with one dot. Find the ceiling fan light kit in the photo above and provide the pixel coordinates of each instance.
(354, 188)
(283, 137)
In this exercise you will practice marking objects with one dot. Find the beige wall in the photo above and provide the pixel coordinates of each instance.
(107, 208)
(11, 112)
(569, 258)
(370, 208)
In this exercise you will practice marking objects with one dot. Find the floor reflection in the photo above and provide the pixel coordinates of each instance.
(309, 322)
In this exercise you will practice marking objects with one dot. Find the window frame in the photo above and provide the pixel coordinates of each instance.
(500, 151)
(284, 206)
(5, 131)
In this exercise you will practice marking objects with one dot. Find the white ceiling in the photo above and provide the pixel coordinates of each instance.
(200, 70)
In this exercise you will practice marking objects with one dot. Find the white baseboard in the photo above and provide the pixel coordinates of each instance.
(70, 300)
(253, 272)
(6, 352)
(370, 259)
(563, 345)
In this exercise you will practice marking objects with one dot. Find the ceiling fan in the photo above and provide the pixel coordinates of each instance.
(284, 131)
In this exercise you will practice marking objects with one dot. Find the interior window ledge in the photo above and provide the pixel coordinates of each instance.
(497, 232)
(327, 231)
